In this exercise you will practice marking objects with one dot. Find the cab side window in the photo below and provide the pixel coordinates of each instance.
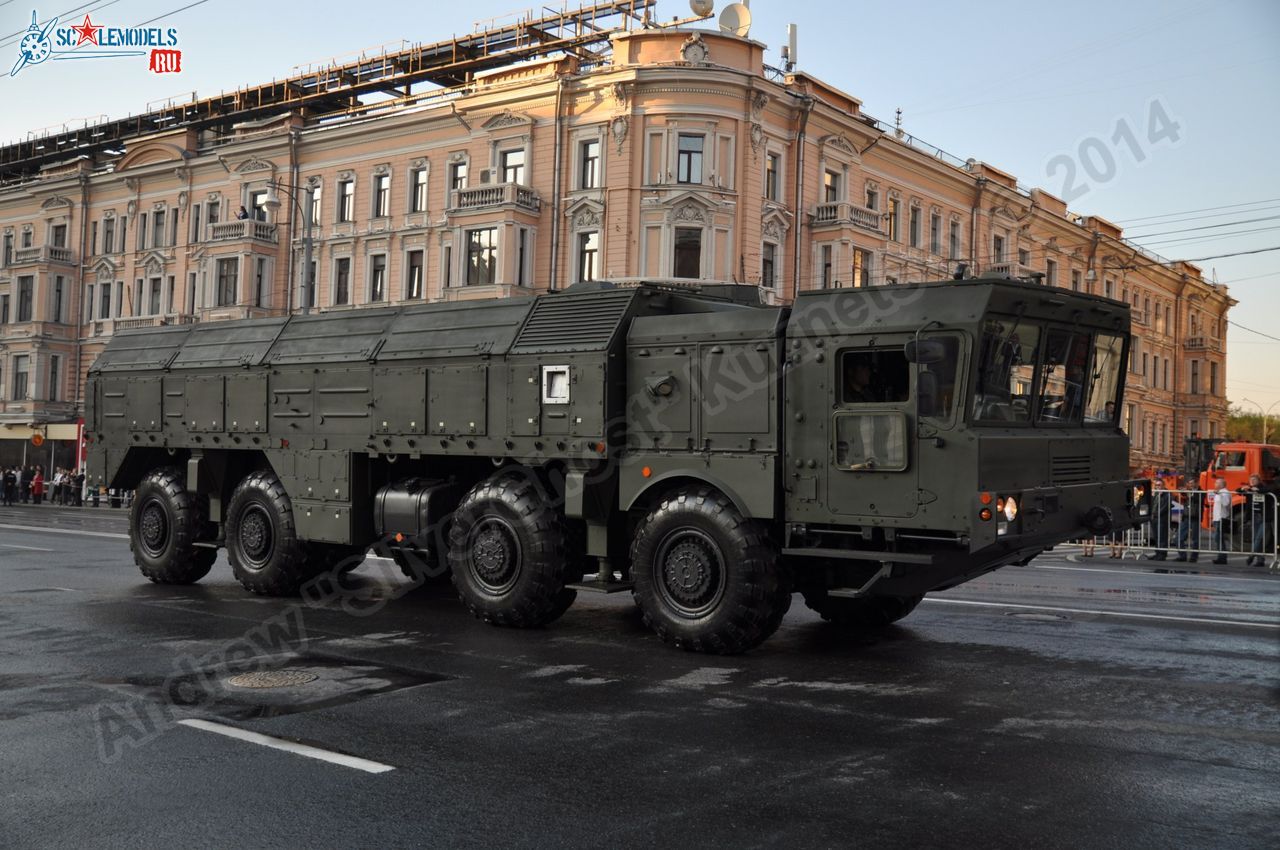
(878, 376)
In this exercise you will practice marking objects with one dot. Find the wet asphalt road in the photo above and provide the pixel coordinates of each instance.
(1064, 704)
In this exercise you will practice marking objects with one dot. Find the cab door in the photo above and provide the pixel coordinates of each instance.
(871, 427)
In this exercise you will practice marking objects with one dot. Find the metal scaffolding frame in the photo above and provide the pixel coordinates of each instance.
(583, 32)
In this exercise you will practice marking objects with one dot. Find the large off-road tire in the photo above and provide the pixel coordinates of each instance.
(165, 522)
(510, 553)
(865, 613)
(706, 578)
(262, 541)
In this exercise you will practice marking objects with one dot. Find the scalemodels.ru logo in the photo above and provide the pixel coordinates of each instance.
(42, 42)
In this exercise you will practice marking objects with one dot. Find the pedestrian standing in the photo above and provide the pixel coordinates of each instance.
(10, 481)
(78, 484)
(1161, 519)
(37, 486)
(1262, 505)
(1189, 528)
(1220, 501)
(24, 485)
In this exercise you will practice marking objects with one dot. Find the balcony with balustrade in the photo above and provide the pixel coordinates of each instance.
(244, 230)
(492, 196)
(43, 255)
(1203, 343)
(844, 214)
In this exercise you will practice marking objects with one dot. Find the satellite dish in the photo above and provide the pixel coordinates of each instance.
(736, 20)
(702, 8)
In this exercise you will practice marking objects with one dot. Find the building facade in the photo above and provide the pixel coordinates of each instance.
(679, 157)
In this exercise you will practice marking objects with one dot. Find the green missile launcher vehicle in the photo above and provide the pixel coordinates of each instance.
(861, 447)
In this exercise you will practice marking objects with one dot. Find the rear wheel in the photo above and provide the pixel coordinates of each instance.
(510, 553)
(867, 612)
(706, 578)
(165, 522)
(262, 542)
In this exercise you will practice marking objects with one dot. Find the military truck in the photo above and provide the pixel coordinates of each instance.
(713, 456)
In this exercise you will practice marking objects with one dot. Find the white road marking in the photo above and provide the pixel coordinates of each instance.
(1166, 617)
(27, 548)
(288, 746)
(45, 529)
(1173, 573)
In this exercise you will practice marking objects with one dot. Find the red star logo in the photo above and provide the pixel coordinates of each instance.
(88, 32)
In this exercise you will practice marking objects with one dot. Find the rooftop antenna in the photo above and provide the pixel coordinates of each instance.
(789, 50)
(736, 20)
(897, 122)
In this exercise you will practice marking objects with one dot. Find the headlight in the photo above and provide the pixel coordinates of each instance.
(1011, 509)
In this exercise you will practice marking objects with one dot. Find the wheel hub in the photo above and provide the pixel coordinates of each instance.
(495, 554)
(153, 527)
(255, 536)
(691, 573)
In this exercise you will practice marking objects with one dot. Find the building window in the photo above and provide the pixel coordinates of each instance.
(458, 176)
(953, 240)
(522, 257)
(831, 186)
(59, 236)
(418, 190)
(142, 232)
(894, 207)
(381, 195)
(214, 211)
(1051, 272)
(26, 297)
(589, 256)
(997, 249)
(913, 228)
(689, 161)
(861, 267)
(935, 233)
(589, 173)
(261, 282)
(228, 281)
(346, 201)
(21, 368)
(687, 258)
(482, 256)
(27, 237)
(1195, 377)
(4, 307)
(826, 267)
(153, 297)
(772, 176)
(873, 198)
(769, 265)
(413, 275)
(93, 239)
(317, 204)
(512, 163)
(1213, 379)
(258, 205)
(1075, 280)
(378, 277)
(59, 298)
(195, 223)
(1109, 288)
(8, 249)
(1024, 257)
(446, 263)
(55, 377)
(1193, 427)
(342, 281)
(105, 311)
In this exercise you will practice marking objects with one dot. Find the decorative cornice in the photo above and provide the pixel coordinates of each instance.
(695, 50)
(254, 164)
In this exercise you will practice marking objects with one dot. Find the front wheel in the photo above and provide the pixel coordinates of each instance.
(165, 521)
(864, 613)
(262, 541)
(706, 578)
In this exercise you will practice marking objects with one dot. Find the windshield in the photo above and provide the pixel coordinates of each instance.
(1061, 376)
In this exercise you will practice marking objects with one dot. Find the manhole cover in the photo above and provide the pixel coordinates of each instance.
(271, 679)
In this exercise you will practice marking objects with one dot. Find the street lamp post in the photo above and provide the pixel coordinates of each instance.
(306, 286)
(1266, 416)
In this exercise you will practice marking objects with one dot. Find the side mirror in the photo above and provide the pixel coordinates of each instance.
(925, 351)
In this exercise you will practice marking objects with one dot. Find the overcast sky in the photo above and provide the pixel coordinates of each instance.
(1164, 116)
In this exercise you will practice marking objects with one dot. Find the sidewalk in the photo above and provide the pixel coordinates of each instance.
(1129, 562)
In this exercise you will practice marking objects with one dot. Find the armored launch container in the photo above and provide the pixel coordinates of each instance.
(713, 456)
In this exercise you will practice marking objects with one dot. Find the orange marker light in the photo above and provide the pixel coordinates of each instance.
(985, 514)
(399, 537)
(600, 447)
(985, 498)
(647, 472)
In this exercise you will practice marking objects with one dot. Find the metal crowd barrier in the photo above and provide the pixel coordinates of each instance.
(1182, 528)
